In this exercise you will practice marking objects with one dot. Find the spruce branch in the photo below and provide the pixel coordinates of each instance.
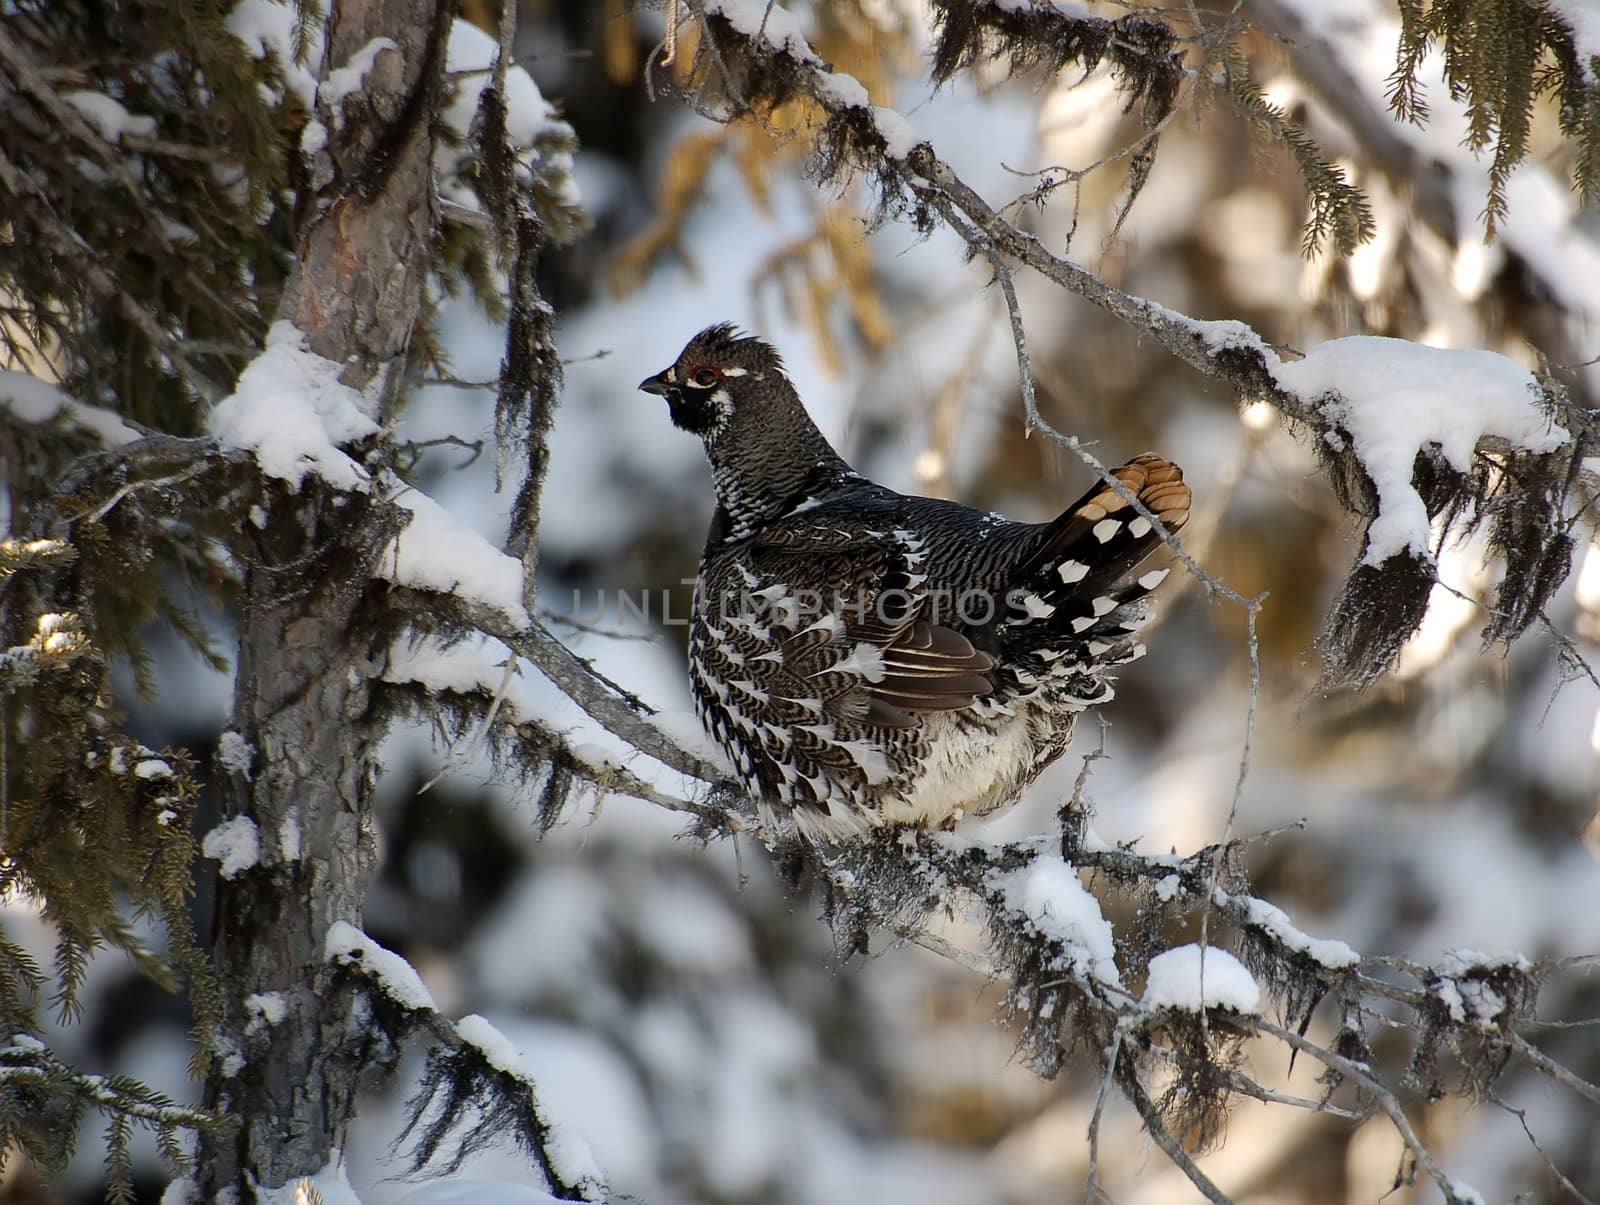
(472, 1085)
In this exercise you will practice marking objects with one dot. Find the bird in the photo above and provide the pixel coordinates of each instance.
(870, 660)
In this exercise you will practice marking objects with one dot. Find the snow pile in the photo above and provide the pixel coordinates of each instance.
(352, 77)
(436, 551)
(108, 116)
(570, 1156)
(1330, 952)
(265, 1009)
(268, 29)
(1395, 398)
(292, 412)
(1179, 979)
(235, 755)
(545, 142)
(236, 843)
(1049, 893)
(495, 1047)
(779, 26)
(348, 945)
(1465, 988)
(29, 400)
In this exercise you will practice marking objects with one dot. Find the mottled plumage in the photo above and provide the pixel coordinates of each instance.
(870, 658)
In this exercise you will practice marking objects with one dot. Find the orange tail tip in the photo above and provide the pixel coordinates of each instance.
(1155, 481)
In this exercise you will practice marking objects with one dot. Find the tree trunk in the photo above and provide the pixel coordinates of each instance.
(295, 1045)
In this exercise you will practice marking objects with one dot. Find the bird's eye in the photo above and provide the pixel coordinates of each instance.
(705, 376)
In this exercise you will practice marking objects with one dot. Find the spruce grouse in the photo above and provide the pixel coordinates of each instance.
(868, 658)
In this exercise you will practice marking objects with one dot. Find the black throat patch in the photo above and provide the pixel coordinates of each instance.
(693, 411)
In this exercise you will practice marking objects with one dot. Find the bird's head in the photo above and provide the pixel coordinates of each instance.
(720, 375)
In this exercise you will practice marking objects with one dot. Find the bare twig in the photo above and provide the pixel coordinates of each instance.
(1532, 1054)
(1092, 1192)
(1246, 1086)
(1361, 1074)
(1252, 610)
(1521, 1115)
(1157, 1129)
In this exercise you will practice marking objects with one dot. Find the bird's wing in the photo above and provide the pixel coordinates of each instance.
(845, 604)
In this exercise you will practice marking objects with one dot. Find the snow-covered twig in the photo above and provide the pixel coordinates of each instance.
(25, 1061)
(564, 668)
(533, 743)
(474, 1071)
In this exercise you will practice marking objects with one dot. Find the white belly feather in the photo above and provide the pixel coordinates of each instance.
(969, 771)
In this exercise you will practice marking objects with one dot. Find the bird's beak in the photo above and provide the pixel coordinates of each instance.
(658, 384)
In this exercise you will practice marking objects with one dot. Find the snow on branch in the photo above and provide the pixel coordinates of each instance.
(1429, 442)
(1196, 978)
(474, 1079)
(27, 399)
(295, 417)
(1066, 987)
(41, 1096)
(539, 143)
(435, 551)
(293, 413)
(458, 687)
(1396, 399)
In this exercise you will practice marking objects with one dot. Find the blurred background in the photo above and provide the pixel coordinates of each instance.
(686, 1015)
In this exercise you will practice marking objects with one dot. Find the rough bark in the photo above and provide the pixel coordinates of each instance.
(306, 648)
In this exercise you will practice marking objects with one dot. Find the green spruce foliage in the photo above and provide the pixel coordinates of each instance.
(1501, 57)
